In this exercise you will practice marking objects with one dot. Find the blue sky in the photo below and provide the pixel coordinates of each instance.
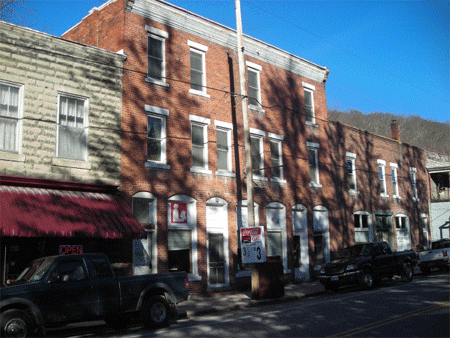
(385, 56)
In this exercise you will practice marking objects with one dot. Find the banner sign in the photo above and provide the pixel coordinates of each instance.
(253, 249)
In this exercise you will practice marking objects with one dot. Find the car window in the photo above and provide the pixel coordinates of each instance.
(72, 271)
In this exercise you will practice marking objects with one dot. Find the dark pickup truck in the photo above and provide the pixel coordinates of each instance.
(367, 264)
(57, 290)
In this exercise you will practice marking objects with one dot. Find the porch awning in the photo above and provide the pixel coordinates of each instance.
(30, 212)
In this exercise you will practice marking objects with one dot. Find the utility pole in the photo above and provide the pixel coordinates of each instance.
(244, 100)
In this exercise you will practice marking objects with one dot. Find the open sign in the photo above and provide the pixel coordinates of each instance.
(70, 249)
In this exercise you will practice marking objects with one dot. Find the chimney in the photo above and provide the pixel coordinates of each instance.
(395, 131)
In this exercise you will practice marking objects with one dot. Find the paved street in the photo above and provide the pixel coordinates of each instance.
(395, 309)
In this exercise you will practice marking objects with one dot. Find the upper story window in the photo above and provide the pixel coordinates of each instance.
(257, 151)
(382, 177)
(198, 68)
(394, 180)
(254, 85)
(308, 90)
(223, 144)
(413, 176)
(199, 138)
(313, 159)
(276, 156)
(156, 52)
(156, 137)
(10, 114)
(351, 170)
(72, 127)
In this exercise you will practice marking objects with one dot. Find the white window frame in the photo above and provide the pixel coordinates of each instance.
(259, 136)
(200, 50)
(310, 118)
(151, 233)
(255, 68)
(278, 139)
(403, 230)
(203, 123)
(160, 35)
(394, 175)
(191, 225)
(315, 147)
(351, 157)
(382, 178)
(226, 128)
(18, 132)
(85, 125)
(413, 177)
(367, 231)
(162, 114)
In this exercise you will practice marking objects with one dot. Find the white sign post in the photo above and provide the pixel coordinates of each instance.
(253, 249)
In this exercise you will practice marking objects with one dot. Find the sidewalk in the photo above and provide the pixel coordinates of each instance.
(228, 301)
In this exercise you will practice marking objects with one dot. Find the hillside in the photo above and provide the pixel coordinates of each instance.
(414, 130)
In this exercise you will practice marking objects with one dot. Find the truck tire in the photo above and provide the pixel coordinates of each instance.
(367, 279)
(407, 272)
(155, 312)
(16, 323)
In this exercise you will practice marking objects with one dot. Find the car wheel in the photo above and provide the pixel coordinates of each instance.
(367, 280)
(16, 323)
(407, 272)
(155, 312)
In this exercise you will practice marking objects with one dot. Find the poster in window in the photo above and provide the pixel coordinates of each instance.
(178, 213)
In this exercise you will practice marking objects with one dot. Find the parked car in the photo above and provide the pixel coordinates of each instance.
(437, 257)
(367, 264)
(58, 290)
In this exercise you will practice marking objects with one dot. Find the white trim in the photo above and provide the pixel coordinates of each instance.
(199, 119)
(198, 46)
(281, 212)
(276, 136)
(254, 66)
(155, 31)
(257, 132)
(225, 125)
(308, 86)
(158, 113)
(156, 110)
(351, 155)
(201, 50)
(312, 145)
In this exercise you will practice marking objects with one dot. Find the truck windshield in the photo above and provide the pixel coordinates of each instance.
(35, 271)
(355, 251)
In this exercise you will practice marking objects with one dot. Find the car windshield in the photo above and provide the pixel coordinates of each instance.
(35, 271)
(355, 250)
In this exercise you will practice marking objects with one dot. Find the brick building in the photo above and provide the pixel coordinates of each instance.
(60, 150)
(318, 185)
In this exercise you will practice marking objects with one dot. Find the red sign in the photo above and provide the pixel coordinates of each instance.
(251, 231)
(70, 249)
(178, 213)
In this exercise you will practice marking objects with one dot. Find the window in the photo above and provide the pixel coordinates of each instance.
(413, 172)
(257, 151)
(199, 137)
(394, 180)
(156, 51)
(351, 171)
(362, 227)
(254, 85)
(182, 235)
(313, 159)
(10, 114)
(223, 144)
(403, 232)
(156, 137)
(276, 159)
(308, 90)
(382, 177)
(72, 128)
(276, 245)
(198, 68)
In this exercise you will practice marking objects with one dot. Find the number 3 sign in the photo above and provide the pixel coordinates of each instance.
(252, 245)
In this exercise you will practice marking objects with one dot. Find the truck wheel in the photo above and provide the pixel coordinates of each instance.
(407, 272)
(16, 323)
(155, 312)
(367, 280)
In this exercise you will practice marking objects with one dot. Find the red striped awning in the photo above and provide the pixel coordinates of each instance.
(30, 212)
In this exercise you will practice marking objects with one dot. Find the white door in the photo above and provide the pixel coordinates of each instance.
(300, 245)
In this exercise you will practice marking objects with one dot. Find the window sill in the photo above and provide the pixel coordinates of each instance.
(260, 178)
(315, 185)
(397, 197)
(64, 162)
(256, 108)
(278, 180)
(312, 124)
(199, 93)
(353, 192)
(155, 165)
(225, 174)
(156, 82)
(198, 170)
(384, 195)
(4, 155)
